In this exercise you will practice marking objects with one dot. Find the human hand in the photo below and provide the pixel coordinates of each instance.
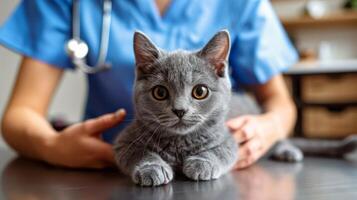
(80, 145)
(255, 134)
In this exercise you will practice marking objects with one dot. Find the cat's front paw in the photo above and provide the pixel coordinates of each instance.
(201, 169)
(152, 175)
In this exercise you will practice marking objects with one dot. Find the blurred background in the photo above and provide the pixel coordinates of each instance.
(323, 83)
(70, 96)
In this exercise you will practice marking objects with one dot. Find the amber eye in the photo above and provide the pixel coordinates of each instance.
(160, 93)
(200, 92)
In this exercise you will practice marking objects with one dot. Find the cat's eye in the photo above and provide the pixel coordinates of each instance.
(160, 93)
(200, 92)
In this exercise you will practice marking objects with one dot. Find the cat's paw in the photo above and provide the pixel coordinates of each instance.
(201, 169)
(152, 175)
(350, 147)
(287, 153)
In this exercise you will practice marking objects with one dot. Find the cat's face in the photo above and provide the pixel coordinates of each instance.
(180, 91)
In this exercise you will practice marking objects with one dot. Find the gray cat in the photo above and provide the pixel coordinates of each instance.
(181, 102)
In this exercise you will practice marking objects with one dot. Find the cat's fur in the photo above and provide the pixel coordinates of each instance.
(158, 142)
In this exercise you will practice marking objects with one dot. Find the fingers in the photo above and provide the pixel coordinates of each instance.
(107, 154)
(242, 128)
(102, 123)
(249, 148)
(103, 155)
(245, 133)
(236, 123)
(249, 153)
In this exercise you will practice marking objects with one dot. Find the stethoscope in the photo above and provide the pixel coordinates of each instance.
(78, 49)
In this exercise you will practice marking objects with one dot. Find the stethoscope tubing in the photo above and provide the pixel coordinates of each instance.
(80, 61)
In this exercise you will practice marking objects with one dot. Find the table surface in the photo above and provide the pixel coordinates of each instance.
(315, 178)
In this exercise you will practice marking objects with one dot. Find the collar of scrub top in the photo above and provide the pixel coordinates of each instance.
(78, 49)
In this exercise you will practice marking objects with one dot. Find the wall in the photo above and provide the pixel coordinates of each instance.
(341, 38)
(69, 98)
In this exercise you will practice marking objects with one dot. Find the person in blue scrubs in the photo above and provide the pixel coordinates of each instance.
(38, 30)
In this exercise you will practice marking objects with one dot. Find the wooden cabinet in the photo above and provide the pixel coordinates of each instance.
(320, 122)
(327, 104)
(330, 88)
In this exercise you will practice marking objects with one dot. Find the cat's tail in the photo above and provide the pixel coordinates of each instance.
(294, 149)
(326, 148)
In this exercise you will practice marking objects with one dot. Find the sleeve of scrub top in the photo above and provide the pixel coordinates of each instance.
(260, 48)
(39, 29)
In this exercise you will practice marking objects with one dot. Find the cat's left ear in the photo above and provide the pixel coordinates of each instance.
(216, 51)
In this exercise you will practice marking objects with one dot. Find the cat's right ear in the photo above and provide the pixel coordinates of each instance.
(146, 53)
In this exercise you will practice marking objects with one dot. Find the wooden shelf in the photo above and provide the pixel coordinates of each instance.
(323, 67)
(334, 18)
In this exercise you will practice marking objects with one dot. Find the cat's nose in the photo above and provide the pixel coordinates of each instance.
(179, 112)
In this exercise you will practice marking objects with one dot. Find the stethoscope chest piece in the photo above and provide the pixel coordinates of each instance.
(77, 49)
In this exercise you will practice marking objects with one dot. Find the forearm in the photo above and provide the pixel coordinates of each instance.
(24, 126)
(27, 132)
(277, 105)
(282, 112)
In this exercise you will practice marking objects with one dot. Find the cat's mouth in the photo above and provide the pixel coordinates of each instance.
(179, 125)
(182, 125)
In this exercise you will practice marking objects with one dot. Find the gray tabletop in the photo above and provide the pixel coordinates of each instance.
(316, 178)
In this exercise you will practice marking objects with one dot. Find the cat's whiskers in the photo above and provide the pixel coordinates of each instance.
(149, 140)
(150, 120)
(163, 116)
(165, 119)
(151, 115)
(157, 144)
(169, 121)
(133, 142)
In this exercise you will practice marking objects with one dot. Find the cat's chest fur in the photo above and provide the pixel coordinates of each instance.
(174, 149)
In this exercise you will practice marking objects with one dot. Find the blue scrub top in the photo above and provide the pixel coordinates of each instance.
(39, 29)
